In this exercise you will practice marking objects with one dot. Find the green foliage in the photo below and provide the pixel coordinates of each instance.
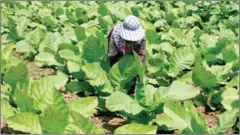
(192, 59)
(86, 104)
(16, 75)
(115, 103)
(135, 128)
(124, 72)
(25, 122)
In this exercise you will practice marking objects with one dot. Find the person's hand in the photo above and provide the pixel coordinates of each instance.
(122, 50)
(122, 53)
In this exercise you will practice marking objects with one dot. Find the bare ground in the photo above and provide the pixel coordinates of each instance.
(3, 125)
(36, 72)
(108, 122)
(211, 118)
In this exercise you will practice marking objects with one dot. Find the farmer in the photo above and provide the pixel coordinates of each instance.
(125, 38)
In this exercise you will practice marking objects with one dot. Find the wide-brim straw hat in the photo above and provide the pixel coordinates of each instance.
(131, 29)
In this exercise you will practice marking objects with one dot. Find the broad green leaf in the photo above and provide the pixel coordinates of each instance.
(24, 101)
(210, 58)
(221, 72)
(82, 125)
(195, 128)
(220, 45)
(104, 24)
(95, 75)
(49, 41)
(226, 97)
(156, 14)
(6, 109)
(178, 113)
(108, 19)
(165, 122)
(6, 51)
(135, 128)
(225, 121)
(6, 92)
(124, 71)
(26, 122)
(177, 35)
(140, 89)
(152, 36)
(69, 46)
(71, 128)
(16, 74)
(197, 123)
(234, 82)
(149, 92)
(46, 59)
(161, 23)
(22, 25)
(67, 54)
(77, 86)
(181, 91)
(60, 79)
(229, 53)
(54, 119)
(159, 95)
(119, 101)
(202, 77)
(186, 77)
(93, 49)
(45, 94)
(13, 29)
(182, 58)
(50, 21)
(9, 63)
(166, 46)
(103, 10)
(84, 106)
(80, 33)
(146, 24)
(196, 115)
(36, 36)
(207, 41)
(156, 63)
(69, 32)
(23, 46)
(73, 66)
(227, 33)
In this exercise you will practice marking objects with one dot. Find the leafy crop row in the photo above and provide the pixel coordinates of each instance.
(192, 60)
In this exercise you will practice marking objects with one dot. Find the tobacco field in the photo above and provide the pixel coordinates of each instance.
(56, 77)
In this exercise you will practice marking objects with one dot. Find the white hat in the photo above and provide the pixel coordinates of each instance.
(131, 29)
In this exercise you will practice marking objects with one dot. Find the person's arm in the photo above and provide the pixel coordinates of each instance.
(142, 51)
(122, 49)
(119, 42)
(113, 52)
